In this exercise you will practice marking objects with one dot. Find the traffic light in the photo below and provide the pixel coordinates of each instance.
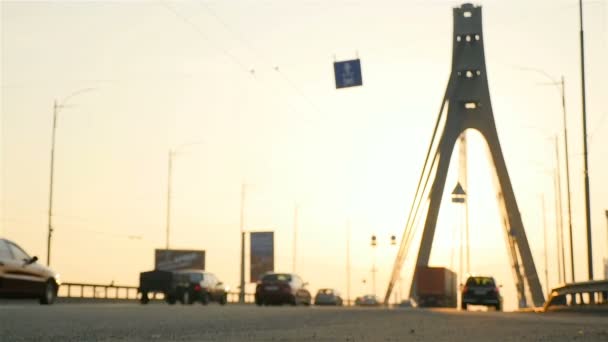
(373, 240)
(393, 240)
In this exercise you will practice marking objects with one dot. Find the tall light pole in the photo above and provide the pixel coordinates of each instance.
(295, 235)
(348, 262)
(242, 228)
(586, 163)
(56, 109)
(169, 182)
(560, 224)
(374, 243)
(561, 85)
(172, 153)
(606, 262)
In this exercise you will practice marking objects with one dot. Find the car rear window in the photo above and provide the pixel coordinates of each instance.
(276, 277)
(326, 291)
(196, 277)
(480, 281)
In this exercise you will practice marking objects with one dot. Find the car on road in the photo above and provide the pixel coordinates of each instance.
(185, 286)
(281, 288)
(328, 297)
(21, 276)
(481, 290)
(367, 300)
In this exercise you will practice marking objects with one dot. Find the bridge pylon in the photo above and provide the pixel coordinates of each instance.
(468, 106)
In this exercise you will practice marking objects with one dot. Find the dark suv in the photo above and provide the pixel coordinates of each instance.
(281, 288)
(186, 286)
(481, 291)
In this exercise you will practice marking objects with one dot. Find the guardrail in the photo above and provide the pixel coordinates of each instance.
(589, 292)
(124, 292)
(97, 291)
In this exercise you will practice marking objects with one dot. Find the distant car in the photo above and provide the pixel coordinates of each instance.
(21, 276)
(481, 290)
(406, 303)
(328, 297)
(281, 288)
(185, 286)
(367, 300)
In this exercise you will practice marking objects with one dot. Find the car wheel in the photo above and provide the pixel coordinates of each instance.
(224, 299)
(170, 299)
(463, 306)
(258, 301)
(50, 293)
(498, 307)
(144, 298)
(205, 299)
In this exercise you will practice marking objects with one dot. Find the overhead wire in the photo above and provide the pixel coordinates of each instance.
(256, 52)
(251, 71)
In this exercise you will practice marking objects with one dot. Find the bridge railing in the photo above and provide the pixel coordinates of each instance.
(97, 291)
(120, 292)
(588, 292)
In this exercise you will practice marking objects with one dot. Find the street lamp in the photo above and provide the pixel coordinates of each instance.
(561, 87)
(172, 153)
(374, 244)
(56, 110)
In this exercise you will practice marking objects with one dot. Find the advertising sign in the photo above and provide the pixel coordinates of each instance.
(178, 259)
(348, 73)
(262, 254)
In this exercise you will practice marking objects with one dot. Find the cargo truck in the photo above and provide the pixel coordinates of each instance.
(436, 287)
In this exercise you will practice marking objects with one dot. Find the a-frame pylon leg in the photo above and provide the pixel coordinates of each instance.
(469, 107)
(512, 223)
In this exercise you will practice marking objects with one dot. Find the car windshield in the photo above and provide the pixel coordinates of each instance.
(276, 277)
(480, 281)
(326, 291)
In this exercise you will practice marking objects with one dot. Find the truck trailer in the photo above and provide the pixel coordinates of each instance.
(436, 287)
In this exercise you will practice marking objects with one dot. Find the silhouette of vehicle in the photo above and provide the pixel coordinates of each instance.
(185, 286)
(21, 276)
(281, 288)
(367, 300)
(480, 290)
(328, 297)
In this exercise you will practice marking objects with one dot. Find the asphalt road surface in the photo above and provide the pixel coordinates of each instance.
(132, 322)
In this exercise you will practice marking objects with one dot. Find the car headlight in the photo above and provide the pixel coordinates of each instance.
(58, 279)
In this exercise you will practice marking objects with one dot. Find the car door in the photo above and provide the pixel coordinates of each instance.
(29, 277)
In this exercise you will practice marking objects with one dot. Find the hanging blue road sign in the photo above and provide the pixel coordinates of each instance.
(348, 73)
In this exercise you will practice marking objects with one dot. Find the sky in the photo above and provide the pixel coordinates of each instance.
(243, 91)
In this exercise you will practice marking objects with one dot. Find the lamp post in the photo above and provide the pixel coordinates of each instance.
(586, 164)
(374, 244)
(242, 229)
(561, 85)
(56, 110)
(172, 153)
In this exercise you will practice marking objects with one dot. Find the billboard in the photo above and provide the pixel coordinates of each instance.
(178, 259)
(262, 254)
(348, 73)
